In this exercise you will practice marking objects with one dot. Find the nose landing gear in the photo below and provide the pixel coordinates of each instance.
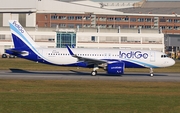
(151, 72)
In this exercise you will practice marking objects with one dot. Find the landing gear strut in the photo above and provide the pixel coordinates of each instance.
(151, 72)
(94, 72)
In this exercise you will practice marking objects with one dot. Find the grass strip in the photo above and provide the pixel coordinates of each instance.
(76, 96)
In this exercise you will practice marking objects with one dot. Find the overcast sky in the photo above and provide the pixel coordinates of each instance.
(129, 0)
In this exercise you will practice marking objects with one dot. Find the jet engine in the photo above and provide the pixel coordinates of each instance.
(116, 68)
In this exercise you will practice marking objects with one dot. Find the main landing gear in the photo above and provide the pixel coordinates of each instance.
(151, 72)
(94, 72)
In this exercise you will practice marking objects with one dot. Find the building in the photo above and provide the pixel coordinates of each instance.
(58, 17)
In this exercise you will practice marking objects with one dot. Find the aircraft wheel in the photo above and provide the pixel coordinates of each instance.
(93, 73)
(151, 74)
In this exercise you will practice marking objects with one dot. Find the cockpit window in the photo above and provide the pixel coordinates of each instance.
(164, 56)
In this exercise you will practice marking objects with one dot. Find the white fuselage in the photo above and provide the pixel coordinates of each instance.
(145, 58)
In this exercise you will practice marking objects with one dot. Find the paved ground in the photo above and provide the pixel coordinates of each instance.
(74, 75)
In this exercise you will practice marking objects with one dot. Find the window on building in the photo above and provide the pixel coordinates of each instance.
(54, 25)
(169, 20)
(110, 19)
(79, 25)
(147, 27)
(64, 39)
(142, 27)
(93, 38)
(109, 26)
(125, 26)
(117, 19)
(148, 19)
(102, 25)
(133, 26)
(62, 25)
(133, 19)
(176, 27)
(86, 18)
(163, 27)
(162, 20)
(102, 18)
(169, 27)
(123, 39)
(62, 17)
(126, 19)
(86, 25)
(54, 17)
(70, 17)
(2, 37)
(176, 20)
(70, 25)
(51, 39)
(140, 19)
(78, 17)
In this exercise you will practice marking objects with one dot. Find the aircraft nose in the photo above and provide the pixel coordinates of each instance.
(172, 62)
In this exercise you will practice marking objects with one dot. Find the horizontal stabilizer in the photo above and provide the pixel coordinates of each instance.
(14, 52)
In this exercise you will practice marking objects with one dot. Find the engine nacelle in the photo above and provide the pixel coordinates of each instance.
(115, 68)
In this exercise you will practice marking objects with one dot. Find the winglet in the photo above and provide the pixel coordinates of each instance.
(70, 51)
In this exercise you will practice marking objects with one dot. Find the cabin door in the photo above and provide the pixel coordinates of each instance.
(152, 56)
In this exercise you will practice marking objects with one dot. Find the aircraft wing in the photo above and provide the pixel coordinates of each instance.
(90, 60)
(85, 59)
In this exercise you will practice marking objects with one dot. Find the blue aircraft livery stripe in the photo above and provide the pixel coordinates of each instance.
(132, 61)
(27, 42)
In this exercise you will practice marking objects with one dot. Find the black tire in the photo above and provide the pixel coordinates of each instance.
(93, 73)
(4, 56)
(11, 56)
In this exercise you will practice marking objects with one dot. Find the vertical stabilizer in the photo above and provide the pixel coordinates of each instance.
(21, 38)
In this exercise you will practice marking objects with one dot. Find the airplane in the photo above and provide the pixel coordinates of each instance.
(113, 61)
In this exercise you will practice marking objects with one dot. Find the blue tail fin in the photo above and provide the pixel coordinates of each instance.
(18, 43)
(21, 38)
(24, 46)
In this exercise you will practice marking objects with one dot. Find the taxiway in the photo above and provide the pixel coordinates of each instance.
(74, 75)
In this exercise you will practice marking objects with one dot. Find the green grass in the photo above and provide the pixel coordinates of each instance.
(6, 64)
(73, 96)
(85, 96)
